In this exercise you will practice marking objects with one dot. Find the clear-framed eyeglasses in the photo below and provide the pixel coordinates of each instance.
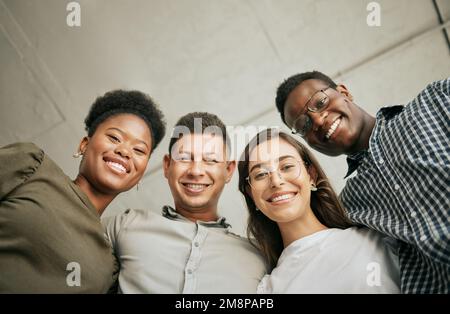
(316, 103)
(287, 169)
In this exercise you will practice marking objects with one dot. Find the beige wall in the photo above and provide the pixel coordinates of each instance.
(226, 57)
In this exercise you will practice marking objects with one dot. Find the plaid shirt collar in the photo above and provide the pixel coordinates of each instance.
(384, 114)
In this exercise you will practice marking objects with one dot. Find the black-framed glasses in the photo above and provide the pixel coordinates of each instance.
(287, 169)
(316, 103)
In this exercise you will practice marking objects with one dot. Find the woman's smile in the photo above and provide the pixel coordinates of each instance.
(282, 198)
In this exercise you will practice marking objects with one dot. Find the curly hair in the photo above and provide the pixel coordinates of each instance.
(264, 233)
(286, 88)
(133, 102)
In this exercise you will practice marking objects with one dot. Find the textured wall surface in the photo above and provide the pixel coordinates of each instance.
(226, 57)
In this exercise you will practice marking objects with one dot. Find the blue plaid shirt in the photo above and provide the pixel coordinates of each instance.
(402, 186)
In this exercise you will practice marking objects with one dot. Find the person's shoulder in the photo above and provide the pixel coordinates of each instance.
(242, 241)
(439, 84)
(440, 88)
(128, 216)
(245, 250)
(138, 212)
(145, 214)
(24, 150)
(338, 234)
(22, 146)
(18, 163)
(360, 231)
(358, 234)
(235, 236)
(132, 213)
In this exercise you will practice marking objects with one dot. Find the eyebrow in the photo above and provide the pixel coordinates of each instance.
(279, 159)
(125, 134)
(181, 151)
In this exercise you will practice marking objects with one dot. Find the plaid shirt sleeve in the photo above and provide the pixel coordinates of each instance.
(402, 187)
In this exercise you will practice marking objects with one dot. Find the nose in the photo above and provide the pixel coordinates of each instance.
(123, 150)
(196, 168)
(276, 179)
(318, 119)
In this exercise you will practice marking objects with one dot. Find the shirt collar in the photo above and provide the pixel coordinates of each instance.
(387, 113)
(353, 161)
(171, 213)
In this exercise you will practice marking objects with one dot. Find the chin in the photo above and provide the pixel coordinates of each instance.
(196, 204)
(336, 150)
(115, 187)
(281, 218)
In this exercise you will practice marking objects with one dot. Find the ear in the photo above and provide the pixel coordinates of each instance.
(231, 166)
(341, 88)
(248, 189)
(83, 144)
(312, 172)
(166, 164)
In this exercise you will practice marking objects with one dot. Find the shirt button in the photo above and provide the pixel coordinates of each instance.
(423, 238)
(380, 161)
(196, 244)
(396, 186)
(413, 214)
(189, 271)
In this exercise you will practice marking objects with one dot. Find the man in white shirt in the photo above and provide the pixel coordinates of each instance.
(187, 249)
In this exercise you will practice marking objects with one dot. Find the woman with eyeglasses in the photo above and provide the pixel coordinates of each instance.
(51, 238)
(298, 224)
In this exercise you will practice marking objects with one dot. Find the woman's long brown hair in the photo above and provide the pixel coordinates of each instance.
(264, 233)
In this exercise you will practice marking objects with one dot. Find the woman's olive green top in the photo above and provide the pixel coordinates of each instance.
(51, 238)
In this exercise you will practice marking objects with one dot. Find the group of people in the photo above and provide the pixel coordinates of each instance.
(387, 232)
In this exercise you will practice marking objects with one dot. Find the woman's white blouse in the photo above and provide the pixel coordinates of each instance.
(354, 260)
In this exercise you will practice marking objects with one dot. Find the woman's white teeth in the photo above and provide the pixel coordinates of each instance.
(116, 166)
(282, 197)
(333, 128)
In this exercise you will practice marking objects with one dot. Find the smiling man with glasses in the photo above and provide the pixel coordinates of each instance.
(324, 114)
(318, 101)
(402, 161)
